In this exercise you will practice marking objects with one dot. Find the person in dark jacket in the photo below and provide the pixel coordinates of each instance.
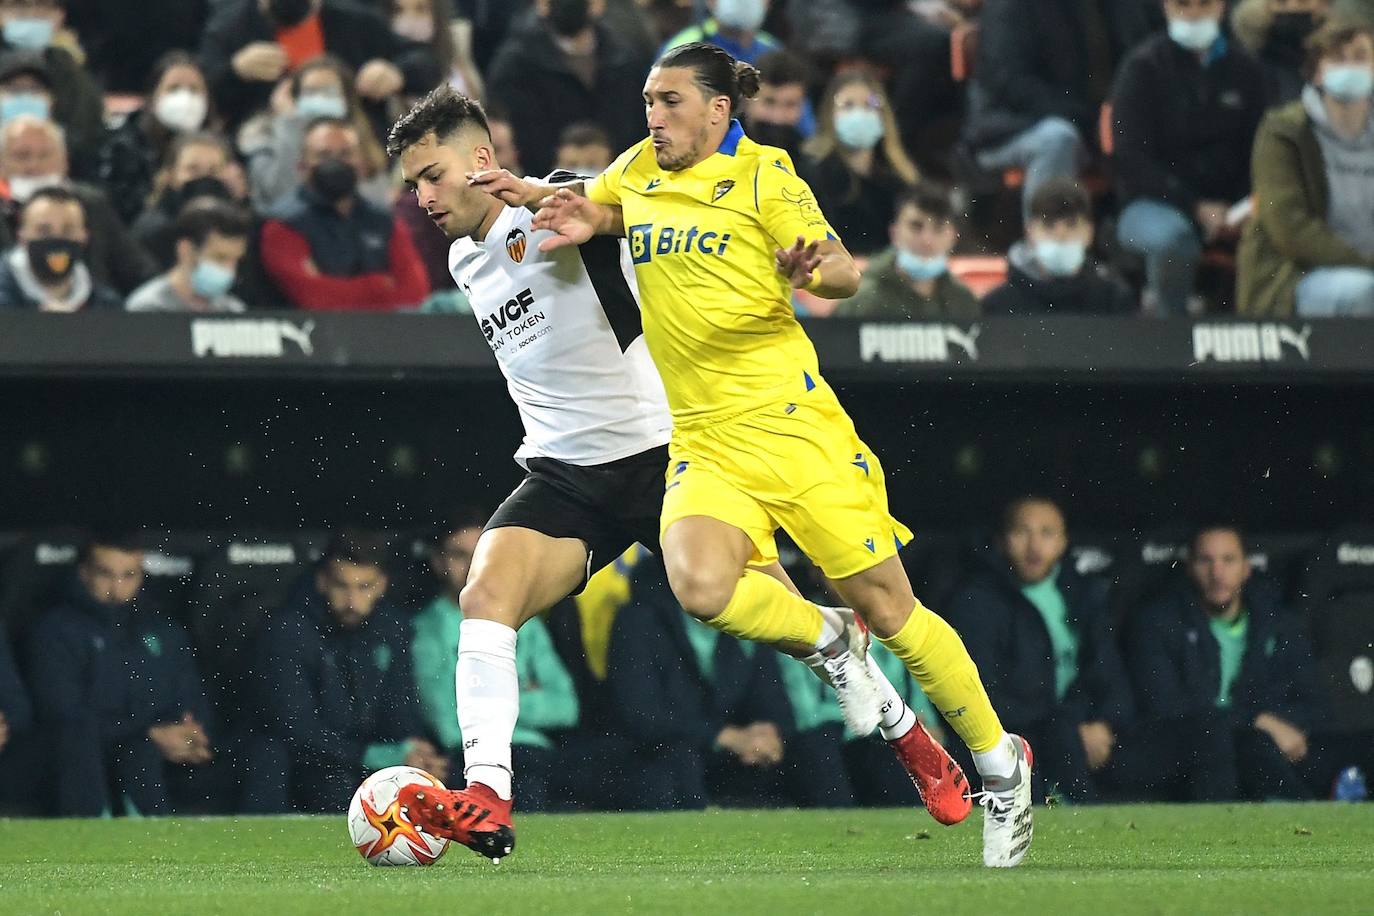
(702, 716)
(1049, 272)
(1184, 112)
(1044, 69)
(1222, 651)
(326, 247)
(46, 270)
(133, 152)
(197, 166)
(249, 45)
(563, 66)
(335, 686)
(1042, 638)
(38, 68)
(16, 722)
(116, 690)
(1309, 250)
(1276, 32)
(33, 155)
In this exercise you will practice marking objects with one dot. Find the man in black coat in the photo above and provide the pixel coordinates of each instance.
(116, 691)
(16, 722)
(249, 45)
(700, 716)
(562, 66)
(336, 696)
(1185, 108)
(1044, 69)
(1221, 650)
(1043, 641)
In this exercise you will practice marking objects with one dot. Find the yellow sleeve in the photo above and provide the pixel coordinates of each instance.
(605, 188)
(787, 207)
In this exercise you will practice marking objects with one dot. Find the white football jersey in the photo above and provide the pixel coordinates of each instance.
(565, 328)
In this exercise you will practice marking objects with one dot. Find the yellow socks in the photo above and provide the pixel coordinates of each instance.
(763, 610)
(936, 657)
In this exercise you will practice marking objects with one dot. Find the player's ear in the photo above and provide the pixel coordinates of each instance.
(484, 158)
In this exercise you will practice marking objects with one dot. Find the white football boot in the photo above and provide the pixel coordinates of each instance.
(844, 666)
(1007, 820)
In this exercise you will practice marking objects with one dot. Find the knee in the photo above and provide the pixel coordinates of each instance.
(702, 591)
(483, 599)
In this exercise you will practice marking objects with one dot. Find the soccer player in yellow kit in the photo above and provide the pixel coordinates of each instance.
(721, 230)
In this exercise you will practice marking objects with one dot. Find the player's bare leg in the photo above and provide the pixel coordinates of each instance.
(516, 574)
(707, 564)
(936, 657)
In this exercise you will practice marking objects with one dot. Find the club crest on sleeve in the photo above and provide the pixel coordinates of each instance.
(515, 245)
(722, 188)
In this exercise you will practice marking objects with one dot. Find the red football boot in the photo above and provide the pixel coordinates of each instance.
(476, 817)
(938, 779)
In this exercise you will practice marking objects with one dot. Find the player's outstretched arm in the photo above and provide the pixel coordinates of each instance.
(575, 219)
(823, 267)
(514, 191)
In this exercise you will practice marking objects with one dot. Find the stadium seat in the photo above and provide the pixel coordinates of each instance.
(980, 273)
(34, 574)
(1339, 597)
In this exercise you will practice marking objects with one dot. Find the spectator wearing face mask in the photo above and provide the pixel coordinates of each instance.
(1276, 31)
(1185, 108)
(45, 271)
(328, 248)
(33, 155)
(911, 278)
(780, 114)
(34, 30)
(178, 104)
(435, 24)
(249, 45)
(1309, 250)
(563, 66)
(856, 164)
(211, 240)
(1050, 271)
(196, 166)
(272, 141)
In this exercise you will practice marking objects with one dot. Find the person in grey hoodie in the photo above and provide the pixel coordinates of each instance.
(1310, 248)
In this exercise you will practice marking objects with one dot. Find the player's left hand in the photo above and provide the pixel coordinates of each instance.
(798, 262)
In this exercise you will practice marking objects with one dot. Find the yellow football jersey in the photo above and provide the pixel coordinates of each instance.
(717, 315)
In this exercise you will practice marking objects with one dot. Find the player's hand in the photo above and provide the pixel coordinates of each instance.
(379, 79)
(1291, 740)
(573, 219)
(1098, 743)
(260, 62)
(798, 262)
(511, 190)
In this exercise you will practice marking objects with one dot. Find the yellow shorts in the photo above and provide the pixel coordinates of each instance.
(797, 466)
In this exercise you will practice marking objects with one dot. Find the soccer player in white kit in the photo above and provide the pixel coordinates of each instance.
(565, 329)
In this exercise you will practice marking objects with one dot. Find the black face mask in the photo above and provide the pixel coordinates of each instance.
(205, 186)
(53, 260)
(568, 17)
(288, 12)
(783, 135)
(334, 179)
(1284, 42)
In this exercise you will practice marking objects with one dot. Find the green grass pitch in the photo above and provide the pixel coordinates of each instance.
(1244, 859)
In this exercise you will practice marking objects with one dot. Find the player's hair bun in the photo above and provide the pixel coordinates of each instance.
(747, 78)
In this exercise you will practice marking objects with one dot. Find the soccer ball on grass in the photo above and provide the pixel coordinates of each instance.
(381, 832)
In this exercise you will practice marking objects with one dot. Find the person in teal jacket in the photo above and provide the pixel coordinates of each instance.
(873, 774)
(548, 700)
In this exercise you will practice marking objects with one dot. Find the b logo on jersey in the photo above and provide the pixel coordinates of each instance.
(722, 188)
(646, 243)
(515, 245)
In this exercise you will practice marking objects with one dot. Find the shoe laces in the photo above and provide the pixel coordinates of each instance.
(998, 805)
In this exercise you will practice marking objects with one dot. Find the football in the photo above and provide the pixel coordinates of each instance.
(380, 830)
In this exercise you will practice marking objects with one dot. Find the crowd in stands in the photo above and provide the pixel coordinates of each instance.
(204, 674)
(1159, 157)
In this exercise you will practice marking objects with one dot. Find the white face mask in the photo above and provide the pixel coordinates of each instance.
(182, 110)
(312, 105)
(23, 187)
(1348, 82)
(415, 26)
(1194, 34)
(745, 15)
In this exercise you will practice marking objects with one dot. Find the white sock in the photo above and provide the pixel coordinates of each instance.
(898, 718)
(999, 762)
(832, 627)
(488, 701)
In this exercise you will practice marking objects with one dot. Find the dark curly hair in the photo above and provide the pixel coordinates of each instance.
(443, 112)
